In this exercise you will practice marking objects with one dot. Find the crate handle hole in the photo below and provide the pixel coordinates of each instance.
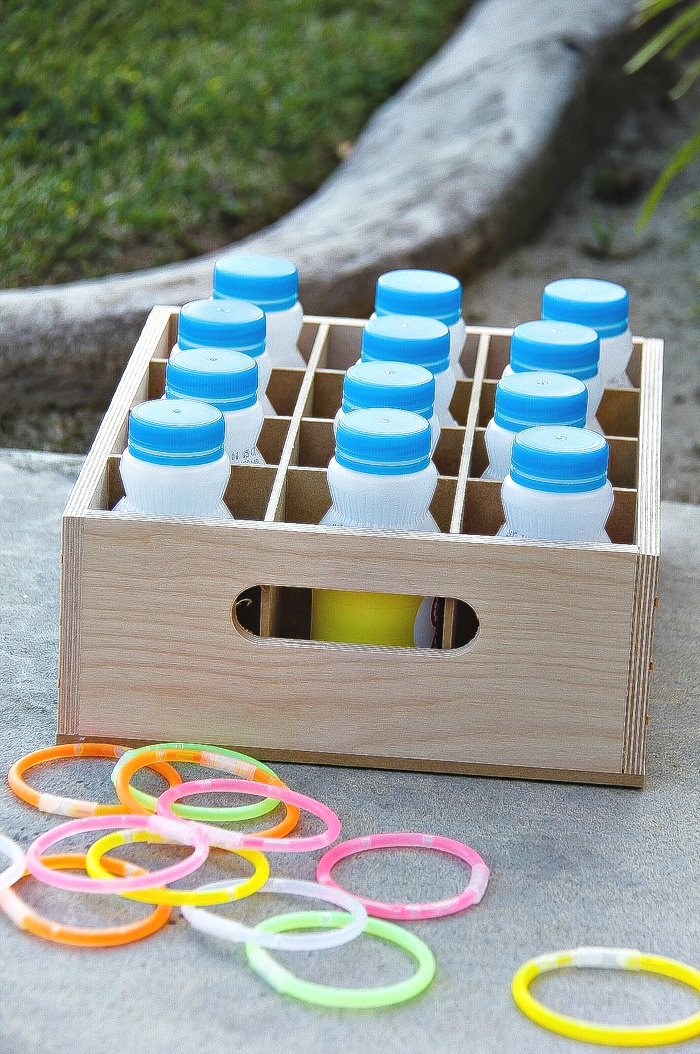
(360, 618)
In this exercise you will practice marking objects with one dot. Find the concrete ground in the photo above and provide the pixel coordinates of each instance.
(571, 865)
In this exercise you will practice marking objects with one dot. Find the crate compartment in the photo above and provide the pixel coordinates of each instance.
(316, 443)
(272, 438)
(618, 413)
(544, 665)
(341, 343)
(498, 354)
(248, 491)
(326, 394)
(468, 355)
(459, 404)
(283, 389)
(448, 451)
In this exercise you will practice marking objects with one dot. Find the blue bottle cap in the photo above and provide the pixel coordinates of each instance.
(407, 338)
(383, 442)
(414, 292)
(271, 282)
(559, 458)
(234, 324)
(559, 347)
(589, 301)
(524, 400)
(176, 432)
(226, 379)
(401, 385)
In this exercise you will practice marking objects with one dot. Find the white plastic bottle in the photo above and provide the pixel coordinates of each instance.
(227, 380)
(560, 347)
(420, 341)
(400, 385)
(380, 477)
(432, 294)
(272, 283)
(525, 400)
(236, 325)
(557, 488)
(175, 463)
(604, 306)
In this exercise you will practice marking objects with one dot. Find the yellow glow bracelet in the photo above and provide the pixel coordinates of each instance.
(607, 959)
(237, 890)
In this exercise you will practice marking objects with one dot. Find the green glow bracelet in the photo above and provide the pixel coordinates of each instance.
(282, 980)
(200, 812)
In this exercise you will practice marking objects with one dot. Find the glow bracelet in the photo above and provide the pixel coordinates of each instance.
(25, 918)
(236, 889)
(15, 868)
(179, 831)
(282, 980)
(224, 839)
(607, 959)
(192, 812)
(230, 930)
(233, 765)
(60, 806)
(409, 839)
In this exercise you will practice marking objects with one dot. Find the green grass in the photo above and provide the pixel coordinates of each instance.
(134, 134)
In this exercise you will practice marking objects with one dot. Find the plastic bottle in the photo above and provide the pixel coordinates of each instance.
(175, 463)
(420, 341)
(559, 347)
(234, 325)
(227, 380)
(524, 400)
(272, 283)
(431, 294)
(400, 385)
(604, 306)
(380, 477)
(557, 488)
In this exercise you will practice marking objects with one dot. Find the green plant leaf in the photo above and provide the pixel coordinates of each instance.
(648, 9)
(680, 160)
(663, 38)
(690, 75)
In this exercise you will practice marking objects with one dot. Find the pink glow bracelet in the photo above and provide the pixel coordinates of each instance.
(15, 869)
(172, 830)
(224, 839)
(410, 840)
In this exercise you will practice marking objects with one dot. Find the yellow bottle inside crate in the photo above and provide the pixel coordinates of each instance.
(364, 618)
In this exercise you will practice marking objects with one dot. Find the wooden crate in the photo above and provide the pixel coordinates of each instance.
(546, 647)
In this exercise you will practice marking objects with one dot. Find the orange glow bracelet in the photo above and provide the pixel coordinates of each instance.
(234, 765)
(59, 806)
(25, 918)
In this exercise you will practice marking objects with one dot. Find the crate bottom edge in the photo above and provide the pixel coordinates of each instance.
(614, 779)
